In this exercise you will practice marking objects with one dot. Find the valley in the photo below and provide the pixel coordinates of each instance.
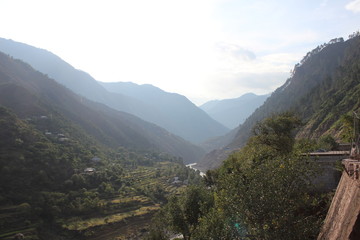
(84, 159)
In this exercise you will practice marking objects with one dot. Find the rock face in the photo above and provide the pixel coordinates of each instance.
(343, 219)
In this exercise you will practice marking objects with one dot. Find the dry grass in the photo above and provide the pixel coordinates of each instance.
(79, 224)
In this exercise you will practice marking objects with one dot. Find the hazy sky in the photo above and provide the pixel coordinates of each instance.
(203, 49)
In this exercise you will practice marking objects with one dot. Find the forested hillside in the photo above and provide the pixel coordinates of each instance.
(264, 191)
(66, 188)
(324, 87)
(173, 112)
(335, 99)
(71, 168)
(30, 93)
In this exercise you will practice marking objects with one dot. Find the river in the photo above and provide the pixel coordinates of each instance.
(191, 165)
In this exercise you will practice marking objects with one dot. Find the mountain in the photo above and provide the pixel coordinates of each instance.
(71, 168)
(176, 114)
(31, 94)
(173, 111)
(233, 112)
(325, 86)
(219, 142)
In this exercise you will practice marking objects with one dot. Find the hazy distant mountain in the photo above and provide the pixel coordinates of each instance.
(219, 142)
(325, 85)
(173, 112)
(30, 94)
(233, 112)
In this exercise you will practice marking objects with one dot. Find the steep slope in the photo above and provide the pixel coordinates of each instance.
(30, 93)
(53, 187)
(324, 86)
(317, 66)
(334, 98)
(174, 112)
(183, 118)
(233, 112)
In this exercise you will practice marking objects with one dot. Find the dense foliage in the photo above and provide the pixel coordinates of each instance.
(264, 191)
(266, 187)
(324, 86)
(48, 180)
(336, 96)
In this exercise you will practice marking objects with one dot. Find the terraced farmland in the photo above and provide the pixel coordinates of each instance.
(17, 220)
(128, 212)
(117, 201)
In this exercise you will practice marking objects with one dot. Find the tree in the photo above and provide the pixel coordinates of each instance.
(349, 127)
(266, 186)
(216, 225)
(277, 132)
(328, 142)
(182, 213)
(264, 191)
(272, 199)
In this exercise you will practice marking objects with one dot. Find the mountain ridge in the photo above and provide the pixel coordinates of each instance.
(318, 76)
(233, 112)
(37, 94)
(174, 111)
(83, 84)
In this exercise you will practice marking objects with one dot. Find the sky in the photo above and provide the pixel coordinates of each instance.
(203, 49)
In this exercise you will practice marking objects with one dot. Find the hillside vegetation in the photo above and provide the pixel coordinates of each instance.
(71, 168)
(324, 87)
(173, 112)
(67, 189)
(29, 93)
(264, 191)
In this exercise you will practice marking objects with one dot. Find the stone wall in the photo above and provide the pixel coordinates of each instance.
(343, 219)
(330, 163)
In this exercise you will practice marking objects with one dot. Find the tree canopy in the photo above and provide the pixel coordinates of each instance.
(263, 191)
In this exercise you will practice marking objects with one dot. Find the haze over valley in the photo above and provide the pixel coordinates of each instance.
(155, 119)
